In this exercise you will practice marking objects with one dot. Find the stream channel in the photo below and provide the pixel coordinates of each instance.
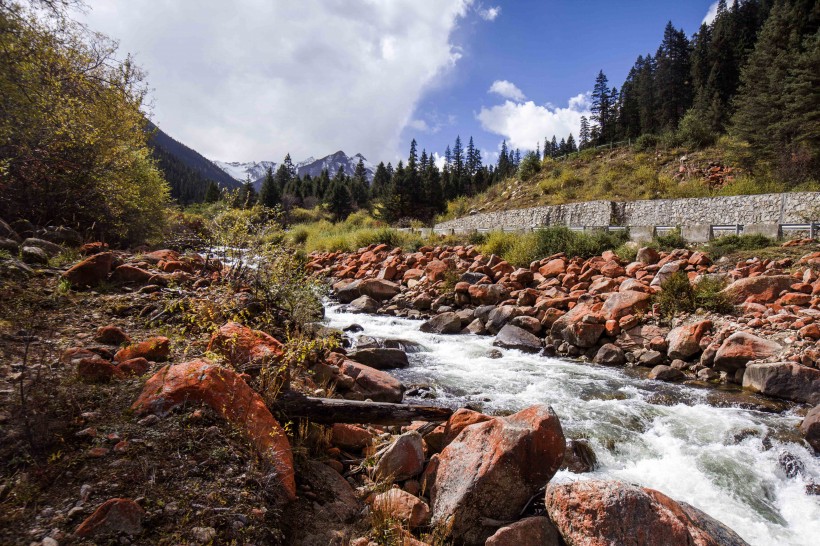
(713, 448)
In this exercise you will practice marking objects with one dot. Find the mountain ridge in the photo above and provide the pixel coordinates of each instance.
(239, 170)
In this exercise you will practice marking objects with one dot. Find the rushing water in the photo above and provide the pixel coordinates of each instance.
(720, 458)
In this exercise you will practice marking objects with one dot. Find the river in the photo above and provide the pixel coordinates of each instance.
(695, 444)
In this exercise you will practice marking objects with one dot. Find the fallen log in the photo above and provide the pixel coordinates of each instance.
(335, 410)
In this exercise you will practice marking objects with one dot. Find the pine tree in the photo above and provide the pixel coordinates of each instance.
(601, 107)
(471, 151)
(339, 200)
(571, 147)
(583, 136)
(458, 158)
(672, 77)
(269, 195)
(247, 194)
(555, 152)
(381, 182)
(359, 189)
(212, 194)
(504, 167)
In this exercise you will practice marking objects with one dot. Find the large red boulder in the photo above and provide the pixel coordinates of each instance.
(127, 274)
(378, 289)
(229, 396)
(460, 420)
(492, 469)
(684, 341)
(91, 271)
(403, 459)
(155, 348)
(760, 289)
(534, 531)
(621, 304)
(403, 506)
(112, 517)
(604, 513)
(369, 383)
(582, 326)
(742, 347)
(244, 347)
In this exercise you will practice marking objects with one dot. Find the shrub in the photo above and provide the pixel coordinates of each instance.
(678, 295)
(646, 142)
(498, 243)
(694, 130)
(529, 166)
(670, 241)
(521, 249)
(728, 244)
(709, 295)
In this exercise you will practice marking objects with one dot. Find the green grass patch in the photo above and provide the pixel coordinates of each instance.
(521, 249)
(729, 244)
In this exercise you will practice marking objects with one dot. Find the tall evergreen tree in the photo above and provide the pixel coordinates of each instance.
(672, 77)
(381, 182)
(601, 107)
(269, 194)
(339, 200)
(584, 135)
(212, 194)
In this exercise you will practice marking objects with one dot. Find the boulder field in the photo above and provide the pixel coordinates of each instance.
(602, 309)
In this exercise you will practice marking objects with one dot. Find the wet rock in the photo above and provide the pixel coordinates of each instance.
(790, 464)
(530, 324)
(34, 256)
(513, 337)
(760, 289)
(475, 327)
(604, 513)
(230, 397)
(445, 323)
(155, 348)
(402, 506)
(404, 459)
(91, 271)
(500, 316)
(581, 326)
(370, 383)
(684, 341)
(353, 328)
(244, 347)
(784, 380)
(610, 355)
(666, 373)
(494, 354)
(742, 347)
(492, 469)
(810, 427)
(579, 457)
(379, 289)
(650, 359)
(534, 531)
(112, 517)
(380, 358)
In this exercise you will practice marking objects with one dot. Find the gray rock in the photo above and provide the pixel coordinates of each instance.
(784, 380)
(35, 256)
(9, 245)
(404, 459)
(500, 316)
(666, 373)
(380, 358)
(667, 270)
(445, 323)
(50, 248)
(61, 235)
(363, 304)
(651, 359)
(348, 292)
(610, 355)
(471, 277)
(513, 337)
(15, 269)
(475, 327)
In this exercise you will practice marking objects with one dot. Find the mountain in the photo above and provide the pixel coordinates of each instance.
(239, 171)
(187, 172)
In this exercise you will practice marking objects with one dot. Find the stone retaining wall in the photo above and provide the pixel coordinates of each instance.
(773, 208)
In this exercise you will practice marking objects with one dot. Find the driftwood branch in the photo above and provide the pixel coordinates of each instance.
(334, 410)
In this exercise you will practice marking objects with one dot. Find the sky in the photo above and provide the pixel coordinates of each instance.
(248, 80)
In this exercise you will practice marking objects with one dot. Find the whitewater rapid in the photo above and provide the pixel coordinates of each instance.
(670, 437)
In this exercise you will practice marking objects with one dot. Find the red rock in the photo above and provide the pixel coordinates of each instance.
(160, 256)
(155, 348)
(604, 513)
(582, 326)
(378, 289)
(135, 366)
(370, 383)
(243, 346)
(810, 331)
(97, 452)
(91, 271)
(612, 270)
(648, 255)
(684, 341)
(810, 427)
(415, 274)
(534, 531)
(553, 268)
(492, 469)
(742, 347)
(487, 294)
(620, 304)
(227, 394)
(95, 370)
(112, 517)
(126, 274)
(93, 248)
(402, 506)
(437, 270)
(111, 335)
(404, 458)
(760, 289)
(460, 420)
(523, 276)
(795, 298)
(350, 436)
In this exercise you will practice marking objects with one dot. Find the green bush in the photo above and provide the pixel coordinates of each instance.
(671, 241)
(646, 142)
(678, 295)
(521, 249)
(728, 244)
(695, 131)
(499, 243)
(529, 166)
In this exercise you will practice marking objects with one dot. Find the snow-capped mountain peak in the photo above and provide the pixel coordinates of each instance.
(242, 170)
(310, 166)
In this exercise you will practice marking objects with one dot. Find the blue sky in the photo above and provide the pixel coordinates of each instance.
(549, 50)
(256, 79)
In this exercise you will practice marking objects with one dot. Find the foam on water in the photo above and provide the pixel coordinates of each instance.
(723, 460)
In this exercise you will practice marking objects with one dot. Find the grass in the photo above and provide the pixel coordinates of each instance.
(521, 249)
(678, 296)
(730, 244)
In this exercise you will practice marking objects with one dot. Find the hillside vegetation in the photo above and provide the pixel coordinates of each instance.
(631, 172)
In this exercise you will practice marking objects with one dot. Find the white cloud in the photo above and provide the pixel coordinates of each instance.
(419, 125)
(254, 79)
(525, 124)
(506, 89)
(711, 13)
(489, 14)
